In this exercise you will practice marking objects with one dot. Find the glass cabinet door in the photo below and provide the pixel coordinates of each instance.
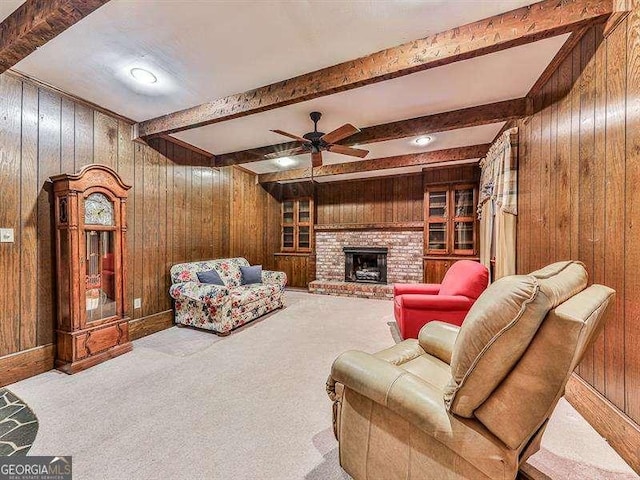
(464, 222)
(463, 236)
(100, 284)
(288, 238)
(304, 211)
(437, 204)
(287, 211)
(303, 238)
(437, 237)
(464, 202)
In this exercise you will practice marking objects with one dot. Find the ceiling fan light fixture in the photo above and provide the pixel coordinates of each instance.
(143, 76)
(285, 161)
(422, 141)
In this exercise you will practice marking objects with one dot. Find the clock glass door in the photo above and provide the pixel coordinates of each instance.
(100, 289)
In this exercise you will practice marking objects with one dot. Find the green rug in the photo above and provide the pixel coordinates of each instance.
(18, 425)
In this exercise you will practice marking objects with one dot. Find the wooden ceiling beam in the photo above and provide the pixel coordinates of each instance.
(439, 122)
(35, 22)
(535, 22)
(410, 160)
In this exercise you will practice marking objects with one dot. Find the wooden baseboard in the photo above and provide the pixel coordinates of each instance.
(25, 364)
(622, 433)
(141, 327)
(20, 365)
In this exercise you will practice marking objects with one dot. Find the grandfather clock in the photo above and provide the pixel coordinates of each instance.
(90, 219)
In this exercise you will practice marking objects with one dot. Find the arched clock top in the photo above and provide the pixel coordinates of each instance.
(92, 175)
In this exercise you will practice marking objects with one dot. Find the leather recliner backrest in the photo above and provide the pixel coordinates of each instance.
(527, 396)
(499, 328)
(465, 277)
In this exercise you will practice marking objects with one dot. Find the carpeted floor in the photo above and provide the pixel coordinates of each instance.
(186, 404)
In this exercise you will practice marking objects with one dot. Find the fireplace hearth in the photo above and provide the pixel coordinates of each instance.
(365, 264)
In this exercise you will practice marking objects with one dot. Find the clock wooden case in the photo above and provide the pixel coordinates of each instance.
(90, 220)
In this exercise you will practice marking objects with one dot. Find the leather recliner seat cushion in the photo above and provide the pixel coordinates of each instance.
(499, 328)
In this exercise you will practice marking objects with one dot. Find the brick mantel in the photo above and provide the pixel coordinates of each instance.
(404, 260)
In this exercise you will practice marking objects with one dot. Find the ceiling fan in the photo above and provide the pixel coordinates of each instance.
(316, 142)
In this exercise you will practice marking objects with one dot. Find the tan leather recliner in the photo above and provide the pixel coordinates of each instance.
(469, 402)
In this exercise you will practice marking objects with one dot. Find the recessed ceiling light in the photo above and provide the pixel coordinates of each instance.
(422, 141)
(143, 76)
(285, 161)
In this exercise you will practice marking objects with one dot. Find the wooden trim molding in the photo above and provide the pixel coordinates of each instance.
(535, 22)
(35, 22)
(410, 160)
(622, 433)
(25, 364)
(141, 327)
(327, 227)
(439, 122)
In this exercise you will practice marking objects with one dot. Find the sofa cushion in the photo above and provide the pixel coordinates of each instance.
(250, 275)
(499, 328)
(246, 294)
(211, 277)
(227, 268)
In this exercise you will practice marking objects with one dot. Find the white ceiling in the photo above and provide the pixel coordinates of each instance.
(8, 6)
(202, 50)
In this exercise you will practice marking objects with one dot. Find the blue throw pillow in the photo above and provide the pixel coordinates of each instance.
(211, 277)
(252, 274)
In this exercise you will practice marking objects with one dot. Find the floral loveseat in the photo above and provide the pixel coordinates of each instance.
(223, 308)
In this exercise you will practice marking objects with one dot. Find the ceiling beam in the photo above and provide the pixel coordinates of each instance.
(410, 160)
(517, 27)
(439, 122)
(35, 22)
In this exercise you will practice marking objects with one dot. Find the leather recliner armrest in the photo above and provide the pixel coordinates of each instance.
(438, 339)
(392, 387)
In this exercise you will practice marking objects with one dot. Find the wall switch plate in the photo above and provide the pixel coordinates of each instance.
(6, 235)
(137, 303)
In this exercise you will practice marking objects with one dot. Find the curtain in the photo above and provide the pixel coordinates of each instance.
(498, 205)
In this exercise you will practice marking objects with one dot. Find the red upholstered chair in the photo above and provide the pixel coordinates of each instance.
(417, 304)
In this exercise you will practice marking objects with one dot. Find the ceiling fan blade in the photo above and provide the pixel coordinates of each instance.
(316, 159)
(291, 135)
(344, 150)
(339, 133)
(287, 153)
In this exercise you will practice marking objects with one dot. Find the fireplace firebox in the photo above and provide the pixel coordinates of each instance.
(365, 264)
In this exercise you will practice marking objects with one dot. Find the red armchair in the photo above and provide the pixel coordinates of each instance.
(417, 304)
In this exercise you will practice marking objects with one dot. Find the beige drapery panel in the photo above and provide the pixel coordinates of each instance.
(498, 204)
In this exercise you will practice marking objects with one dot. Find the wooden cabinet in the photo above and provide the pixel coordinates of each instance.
(90, 220)
(450, 227)
(297, 225)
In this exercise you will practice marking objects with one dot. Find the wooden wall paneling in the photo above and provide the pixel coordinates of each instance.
(546, 201)
(125, 169)
(632, 251)
(164, 244)
(83, 132)
(225, 196)
(48, 164)
(575, 151)
(105, 139)
(535, 236)
(179, 227)
(67, 136)
(209, 236)
(587, 172)
(562, 226)
(10, 131)
(599, 202)
(139, 257)
(614, 236)
(29, 190)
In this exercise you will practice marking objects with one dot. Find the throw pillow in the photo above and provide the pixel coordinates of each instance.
(211, 277)
(252, 274)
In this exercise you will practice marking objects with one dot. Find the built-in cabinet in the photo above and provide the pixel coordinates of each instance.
(297, 225)
(450, 225)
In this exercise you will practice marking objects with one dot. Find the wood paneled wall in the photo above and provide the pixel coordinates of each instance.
(375, 200)
(579, 171)
(180, 209)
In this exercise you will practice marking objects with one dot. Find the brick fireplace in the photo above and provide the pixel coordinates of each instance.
(403, 260)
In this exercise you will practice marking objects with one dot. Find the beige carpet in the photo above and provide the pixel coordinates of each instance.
(186, 404)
